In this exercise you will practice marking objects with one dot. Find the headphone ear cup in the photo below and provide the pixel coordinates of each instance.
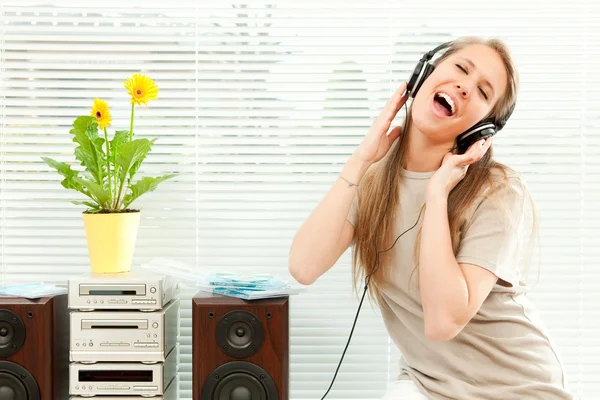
(501, 122)
(427, 71)
(421, 72)
(412, 82)
(481, 130)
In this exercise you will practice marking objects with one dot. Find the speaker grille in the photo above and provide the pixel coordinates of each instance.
(16, 383)
(240, 334)
(12, 333)
(239, 380)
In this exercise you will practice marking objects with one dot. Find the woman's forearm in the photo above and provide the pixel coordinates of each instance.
(443, 287)
(316, 245)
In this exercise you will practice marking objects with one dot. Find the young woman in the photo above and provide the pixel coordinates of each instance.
(451, 290)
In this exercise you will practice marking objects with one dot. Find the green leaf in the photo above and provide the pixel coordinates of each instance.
(92, 206)
(66, 171)
(136, 166)
(83, 123)
(131, 155)
(119, 138)
(89, 151)
(97, 191)
(144, 185)
(71, 180)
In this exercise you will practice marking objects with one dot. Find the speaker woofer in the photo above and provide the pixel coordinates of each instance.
(16, 383)
(12, 333)
(239, 333)
(239, 380)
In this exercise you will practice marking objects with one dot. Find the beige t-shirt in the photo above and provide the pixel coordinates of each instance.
(504, 351)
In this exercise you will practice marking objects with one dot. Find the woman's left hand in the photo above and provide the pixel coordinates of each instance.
(454, 168)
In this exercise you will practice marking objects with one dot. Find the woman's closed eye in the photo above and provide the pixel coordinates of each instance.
(483, 93)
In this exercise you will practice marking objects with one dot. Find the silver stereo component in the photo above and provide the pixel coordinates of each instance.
(136, 290)
(124, 335)
(171, 393)
(123, 379)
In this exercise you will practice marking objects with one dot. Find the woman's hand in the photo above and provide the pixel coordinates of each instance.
(377, 142)
(454, 168)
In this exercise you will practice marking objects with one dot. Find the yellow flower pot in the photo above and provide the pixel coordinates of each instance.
(111, 240)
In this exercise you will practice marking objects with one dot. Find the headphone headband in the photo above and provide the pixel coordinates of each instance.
(431, 53)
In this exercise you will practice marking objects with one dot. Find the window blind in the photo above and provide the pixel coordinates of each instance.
(260, 105)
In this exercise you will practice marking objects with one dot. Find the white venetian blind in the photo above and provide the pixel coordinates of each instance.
(260, 105)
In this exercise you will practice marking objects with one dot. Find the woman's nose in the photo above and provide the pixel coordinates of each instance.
(462, 90)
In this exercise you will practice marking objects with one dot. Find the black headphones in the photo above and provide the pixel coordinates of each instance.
(481, 130)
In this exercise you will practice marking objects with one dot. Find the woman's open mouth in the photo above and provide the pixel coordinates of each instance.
(443, 105)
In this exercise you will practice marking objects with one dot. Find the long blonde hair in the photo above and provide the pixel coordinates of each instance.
(374, 230)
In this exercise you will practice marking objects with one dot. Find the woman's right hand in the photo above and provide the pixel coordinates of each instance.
(377, 142)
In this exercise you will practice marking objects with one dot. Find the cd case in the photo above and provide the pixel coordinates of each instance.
(243, 286)
(34, 290)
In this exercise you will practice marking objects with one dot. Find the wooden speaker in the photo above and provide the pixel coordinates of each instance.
(34, 353)
(240, 349)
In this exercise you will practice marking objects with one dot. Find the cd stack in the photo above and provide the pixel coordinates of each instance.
(124, 332)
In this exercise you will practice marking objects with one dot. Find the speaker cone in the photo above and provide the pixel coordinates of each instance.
(16, 383)
(12, 333)
(239, 333)
(239, 380)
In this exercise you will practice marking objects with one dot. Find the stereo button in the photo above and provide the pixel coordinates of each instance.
(140, 301)
(145, 344)
(145, 388)
(113, 387)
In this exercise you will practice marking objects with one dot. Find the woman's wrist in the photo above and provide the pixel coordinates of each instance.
(436, 194)
(354, 170)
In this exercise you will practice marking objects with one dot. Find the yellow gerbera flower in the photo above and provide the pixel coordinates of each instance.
(141, 89)
(101, 111)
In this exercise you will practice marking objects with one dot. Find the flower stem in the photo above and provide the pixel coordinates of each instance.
(108, 165)
(131, 123)
(119, 196)
(116, 183)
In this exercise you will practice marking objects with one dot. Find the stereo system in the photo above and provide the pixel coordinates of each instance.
(124, 330)
(240, 349)
(127, 291)
(34, 337)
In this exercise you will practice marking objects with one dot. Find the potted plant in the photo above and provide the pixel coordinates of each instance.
(109, 168)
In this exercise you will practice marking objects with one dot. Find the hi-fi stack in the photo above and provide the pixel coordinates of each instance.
(124, 341)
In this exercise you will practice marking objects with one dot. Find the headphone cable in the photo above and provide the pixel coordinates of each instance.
(368, 278)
